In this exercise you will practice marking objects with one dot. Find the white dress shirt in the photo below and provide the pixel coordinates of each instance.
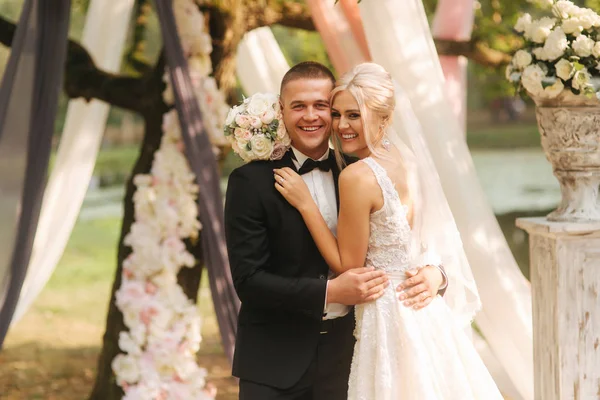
(322, 189)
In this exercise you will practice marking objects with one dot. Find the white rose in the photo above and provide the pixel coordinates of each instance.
(583, 46)
(554, 90)
(532, 79)
(572, 26)
(563, 9)
(523, 23)
(539, 30)
(508, 72)
(581, 80)
(126, 368)
(261, 146)
(268, 116)
(588, 19)
(556, 44)
(596, 50)
(258, 104)
(522, 59)
(128, 345)
(242, 144)
(564, 69)
(539, 53)
(231, 115)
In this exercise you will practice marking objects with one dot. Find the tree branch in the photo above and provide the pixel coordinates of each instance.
(84, 79)
(474, 50)
(286, 13)
(135, 54)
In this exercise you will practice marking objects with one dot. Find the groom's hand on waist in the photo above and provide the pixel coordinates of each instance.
(357, 286)
(421, 286)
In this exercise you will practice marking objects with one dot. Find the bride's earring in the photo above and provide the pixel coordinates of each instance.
(386, 144)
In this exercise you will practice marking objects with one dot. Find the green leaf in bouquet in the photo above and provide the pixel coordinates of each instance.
(578, 66)
(248, 146)
(547, 82)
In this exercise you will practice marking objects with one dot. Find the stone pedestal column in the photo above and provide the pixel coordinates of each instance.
(565, 280)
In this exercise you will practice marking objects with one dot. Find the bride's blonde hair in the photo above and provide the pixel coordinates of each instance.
(372, 87)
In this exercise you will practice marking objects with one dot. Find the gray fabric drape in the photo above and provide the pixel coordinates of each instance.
(28, 104)
(202, 161)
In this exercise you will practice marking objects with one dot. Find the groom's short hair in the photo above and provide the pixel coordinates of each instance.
(307, 70)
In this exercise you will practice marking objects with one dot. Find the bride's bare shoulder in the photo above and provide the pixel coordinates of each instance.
(358, 174)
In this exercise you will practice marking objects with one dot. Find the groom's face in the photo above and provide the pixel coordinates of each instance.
(306, 114)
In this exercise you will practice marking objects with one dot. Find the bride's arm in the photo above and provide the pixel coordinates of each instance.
(358, 193)
(292, 187)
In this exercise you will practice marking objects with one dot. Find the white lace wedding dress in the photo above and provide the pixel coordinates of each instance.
(400, 353)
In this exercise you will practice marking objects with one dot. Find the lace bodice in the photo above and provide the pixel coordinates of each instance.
(389, 240)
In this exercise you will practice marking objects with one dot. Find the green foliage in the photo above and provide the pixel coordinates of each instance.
(298, 45)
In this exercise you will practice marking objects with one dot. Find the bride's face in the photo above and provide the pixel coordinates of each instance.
(347, 124)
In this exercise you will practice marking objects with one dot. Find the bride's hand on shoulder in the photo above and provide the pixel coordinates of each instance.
(293, 188)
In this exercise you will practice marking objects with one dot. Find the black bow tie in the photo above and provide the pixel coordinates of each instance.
(310, 164)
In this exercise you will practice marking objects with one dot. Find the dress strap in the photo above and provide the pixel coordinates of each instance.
(387, 187)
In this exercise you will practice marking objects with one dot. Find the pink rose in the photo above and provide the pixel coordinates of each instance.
(278, 151)
(243, 134)
(151, 288)
(255, 122)
(243, 121)
(281, 131)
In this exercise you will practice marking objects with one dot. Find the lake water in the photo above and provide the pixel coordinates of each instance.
(513, 180)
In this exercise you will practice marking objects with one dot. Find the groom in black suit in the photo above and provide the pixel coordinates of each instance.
(295, 327)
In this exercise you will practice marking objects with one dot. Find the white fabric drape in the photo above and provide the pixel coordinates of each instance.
(104, 36)
(260, 63)
(399, 39)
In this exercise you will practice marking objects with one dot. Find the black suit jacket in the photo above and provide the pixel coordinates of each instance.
(279, 275)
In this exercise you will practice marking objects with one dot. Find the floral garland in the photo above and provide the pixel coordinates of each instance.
(159, 359)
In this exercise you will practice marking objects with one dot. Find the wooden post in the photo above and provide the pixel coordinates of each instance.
(565, 280)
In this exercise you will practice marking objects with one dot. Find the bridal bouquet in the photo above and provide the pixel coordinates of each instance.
(255, 128)
(560, 52)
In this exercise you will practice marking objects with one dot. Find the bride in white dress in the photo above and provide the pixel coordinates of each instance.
(393, 216)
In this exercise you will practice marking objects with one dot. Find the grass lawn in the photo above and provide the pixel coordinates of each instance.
(504, 136)
(51, 353)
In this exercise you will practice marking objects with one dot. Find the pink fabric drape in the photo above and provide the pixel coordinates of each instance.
(338, 32)
(352, 13)
(454, 21)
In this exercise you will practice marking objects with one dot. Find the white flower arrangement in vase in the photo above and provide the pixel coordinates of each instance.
(560, 52)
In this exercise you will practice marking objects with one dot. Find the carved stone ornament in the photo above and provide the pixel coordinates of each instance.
(570, 133)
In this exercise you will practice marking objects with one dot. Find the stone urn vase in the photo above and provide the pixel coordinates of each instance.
(570, 133)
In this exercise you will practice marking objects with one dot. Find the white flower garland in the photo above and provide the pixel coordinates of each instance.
(159, 360)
